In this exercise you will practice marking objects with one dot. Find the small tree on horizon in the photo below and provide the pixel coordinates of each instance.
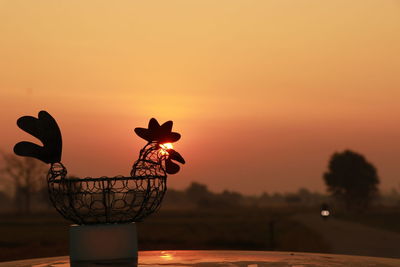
(27, 175)
(352, 179)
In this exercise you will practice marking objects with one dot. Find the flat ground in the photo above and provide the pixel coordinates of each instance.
(346, 237)
(46, 235)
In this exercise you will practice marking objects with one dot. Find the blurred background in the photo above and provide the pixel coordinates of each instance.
(286, 108)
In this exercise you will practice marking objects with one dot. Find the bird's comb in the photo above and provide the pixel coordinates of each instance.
(45, 129)
(158, 133)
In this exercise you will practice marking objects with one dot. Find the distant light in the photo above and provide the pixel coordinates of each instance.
(325, 213)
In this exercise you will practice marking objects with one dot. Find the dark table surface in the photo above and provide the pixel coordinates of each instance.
(229, 258)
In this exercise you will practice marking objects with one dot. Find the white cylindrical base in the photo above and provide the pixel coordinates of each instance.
(102, 244)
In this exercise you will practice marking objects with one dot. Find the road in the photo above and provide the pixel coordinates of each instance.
(351, 238)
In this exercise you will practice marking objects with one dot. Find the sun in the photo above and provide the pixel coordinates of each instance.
(164, 147)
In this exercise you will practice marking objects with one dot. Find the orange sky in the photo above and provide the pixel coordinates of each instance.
(263, 92)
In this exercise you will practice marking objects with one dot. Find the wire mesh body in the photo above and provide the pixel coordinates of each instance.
(111, 200)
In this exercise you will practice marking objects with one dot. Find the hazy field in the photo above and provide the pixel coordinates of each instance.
(41, 235)
(387, 218)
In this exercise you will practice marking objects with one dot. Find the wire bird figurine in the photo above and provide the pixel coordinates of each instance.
(106, 199)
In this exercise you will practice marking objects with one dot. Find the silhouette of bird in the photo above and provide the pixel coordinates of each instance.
(104, 200)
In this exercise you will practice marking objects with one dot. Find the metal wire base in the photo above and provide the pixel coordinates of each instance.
(111, 200)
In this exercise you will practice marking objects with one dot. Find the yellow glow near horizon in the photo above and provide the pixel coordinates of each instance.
(165, 147)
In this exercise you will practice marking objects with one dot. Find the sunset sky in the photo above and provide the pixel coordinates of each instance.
(263, 92)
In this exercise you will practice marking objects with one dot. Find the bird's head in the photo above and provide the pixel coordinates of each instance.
(163, 137)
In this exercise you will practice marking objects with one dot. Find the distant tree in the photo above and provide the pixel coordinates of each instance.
(292, 198)
(5, 202)
(230, 199)
(27, 175)
(175, 199)
(277, 197)
(351, 178)
(196, 192)
(42, 195)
